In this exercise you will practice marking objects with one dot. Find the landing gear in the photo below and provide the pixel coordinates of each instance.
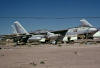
(54, 42)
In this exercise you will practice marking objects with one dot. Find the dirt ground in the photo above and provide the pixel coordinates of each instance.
(51, 56)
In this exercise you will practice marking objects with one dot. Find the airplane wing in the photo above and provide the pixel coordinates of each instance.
(61, 32)
(9, 36)
(12, 36)
(85, 23)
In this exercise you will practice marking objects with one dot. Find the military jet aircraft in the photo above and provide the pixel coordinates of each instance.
(85, 30)
(19, 29)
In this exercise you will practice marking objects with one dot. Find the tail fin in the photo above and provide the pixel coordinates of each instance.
(13, 29)
(85, 23)
(19, 28)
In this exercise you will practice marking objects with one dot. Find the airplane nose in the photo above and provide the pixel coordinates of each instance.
(97, 35)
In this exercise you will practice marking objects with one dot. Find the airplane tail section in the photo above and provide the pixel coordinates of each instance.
(13, 29)
(85, 23)
(19, 28)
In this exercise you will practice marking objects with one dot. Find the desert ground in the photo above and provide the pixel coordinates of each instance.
(51, 56)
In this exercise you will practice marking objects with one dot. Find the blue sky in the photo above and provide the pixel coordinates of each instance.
(47, 8)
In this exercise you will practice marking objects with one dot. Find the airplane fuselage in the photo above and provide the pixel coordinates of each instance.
(80, 30)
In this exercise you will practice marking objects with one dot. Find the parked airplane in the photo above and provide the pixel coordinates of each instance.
(20, 30)
(85, 29)
(41, 38)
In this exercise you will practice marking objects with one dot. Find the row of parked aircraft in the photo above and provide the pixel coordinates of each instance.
(84, 31)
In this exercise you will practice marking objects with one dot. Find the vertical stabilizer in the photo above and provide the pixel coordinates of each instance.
(19, 28)
(85, 23)
(13, 29)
